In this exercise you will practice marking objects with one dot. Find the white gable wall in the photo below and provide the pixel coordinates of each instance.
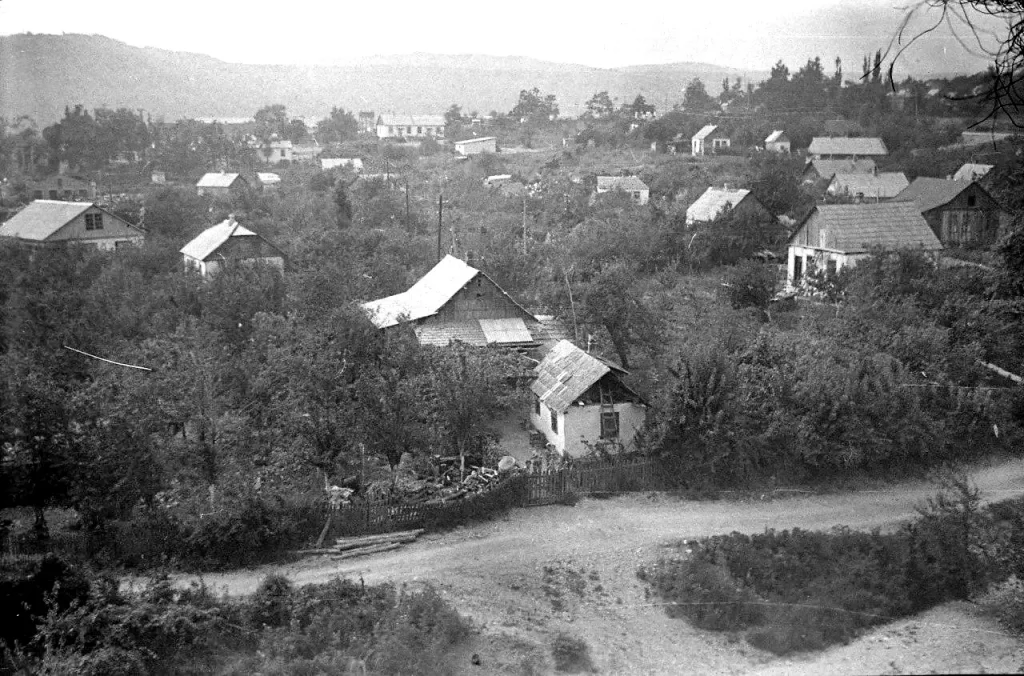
(583, 423)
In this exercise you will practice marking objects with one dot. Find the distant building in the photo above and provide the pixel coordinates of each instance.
(834, 236)
(838, 148)
(268, 181)
(221, 184)
(714, 201)
(158, 177)
(54, 223)
(631, 185)
(476, 146)
(63, 187)
(972, 172)
(960, 213)
(777, 142)
(306, 153)
(816, 170)
(228, 243)
(390, 125)
(868, 187)
(710, 139)
(275, 152)
(354, 163)
(497, 179)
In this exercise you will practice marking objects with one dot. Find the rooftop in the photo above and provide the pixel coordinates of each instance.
(713, 202)
(211, 239)
(841, 145)
(217, 179)
(627, 183)
(566, 372)
(882, 185)
(859, 228)
(928, 193)
(705, 131)
(42, 218)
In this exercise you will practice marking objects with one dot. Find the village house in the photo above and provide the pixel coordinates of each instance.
(631, 185)
(306, 153)
(714, 201)
(63, 187)
(456, 302)
(54, 223)
(777, 142)
(710, 139)
(353, 163)
(229, 243)
(221, 184)
(268, 182)
(476, 146)
(834, 236)
(581, 400)
(867, 187)
(840, 147)
(960, 213)
(275, 152)
(816, 170)
(972, 172)
(390, 125)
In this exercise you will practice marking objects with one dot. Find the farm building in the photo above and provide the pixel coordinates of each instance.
(456, 302)
(710, 139)
(476, 146)
(816, 170)
(221, 184)
(580, 398)
(63, 187)
(868, 187)
(960, 213)
(972, 172)
(777, 142)
(275, 152)
(633, 186)
(53, 223)
(228, 243)
(390, 125)
(834, 236)
(714, 201)
(841, 147)
(353, 163)
(268, 181)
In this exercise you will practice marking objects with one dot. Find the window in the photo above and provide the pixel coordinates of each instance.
(554, 421)
(419, 131)
(972, 200)
(536, 404)
(831, 266)
(610, 425)
(798, 269)
(60, 184)
(94, 221)
(408, 130)
(53, 194)
(37, 194)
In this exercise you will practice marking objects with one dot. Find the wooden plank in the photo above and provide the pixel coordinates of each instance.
(364, 551)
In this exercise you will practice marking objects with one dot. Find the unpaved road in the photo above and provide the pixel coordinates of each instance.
(535, 572)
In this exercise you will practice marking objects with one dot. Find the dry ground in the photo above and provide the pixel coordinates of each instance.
(535, 572)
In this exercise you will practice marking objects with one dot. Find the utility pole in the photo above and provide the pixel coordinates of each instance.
(408, 220)
(440, 211)
(524, 221)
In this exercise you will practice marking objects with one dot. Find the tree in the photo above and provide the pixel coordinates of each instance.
(342, 205)
(640, 107)
(696, 97)
(271, 121)
(339, 126)
(612, 300)
(453, 115)
(600, 106)
(534, 107)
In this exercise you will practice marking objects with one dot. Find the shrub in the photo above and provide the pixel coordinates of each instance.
(571, 654)
(29, 589)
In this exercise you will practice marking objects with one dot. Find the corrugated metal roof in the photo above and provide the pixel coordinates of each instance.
(217, 179)
(393, 120)
(841, 145)
(505, 331)
(928, 193)
(211, 239)
(627, 183)
(972, 172)
(42, 218)
(775, 136)
(883, 185)
(714, 200)
(565, 373)
(858, 228)
(704, 132)
(829, 168)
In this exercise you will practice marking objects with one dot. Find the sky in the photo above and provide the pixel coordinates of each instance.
(746, 34)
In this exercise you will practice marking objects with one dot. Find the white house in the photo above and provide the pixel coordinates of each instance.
(229, 243)
(834, 236)
(777, 142)
(710, 139)
(714, 201)
(221, 184)
(268, 181)
(476, 146)
(275, 152)
(631, 185)
(580, 398)
(55, 223)
(390, 125)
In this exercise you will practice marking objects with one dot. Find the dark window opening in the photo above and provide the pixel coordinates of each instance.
(554, 421)
(94, 221)
(972, 200)
(536, 404)
(610, 425)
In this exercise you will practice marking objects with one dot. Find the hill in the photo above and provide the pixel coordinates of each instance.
(41, 74)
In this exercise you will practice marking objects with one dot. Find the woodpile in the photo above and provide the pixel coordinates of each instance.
(349, 548)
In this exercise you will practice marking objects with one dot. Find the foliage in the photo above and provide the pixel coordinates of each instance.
(751, 284)
(533, 107)
(571, 655)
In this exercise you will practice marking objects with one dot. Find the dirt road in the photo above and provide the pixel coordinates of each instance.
(535, 572)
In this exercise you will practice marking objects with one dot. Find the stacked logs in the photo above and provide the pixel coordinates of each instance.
(349, 548)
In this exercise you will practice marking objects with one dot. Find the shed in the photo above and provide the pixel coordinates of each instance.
(960, 213)
(477, 146)
(631, 185)
(710, 139)
(229, 243)
(714, 201)
(817, 169)
(221, 184)
(777, 142)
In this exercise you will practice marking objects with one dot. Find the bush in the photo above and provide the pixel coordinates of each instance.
(571, 654)
(28, 590)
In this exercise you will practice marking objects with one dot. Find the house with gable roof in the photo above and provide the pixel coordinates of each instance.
(834, 236)
(221, 184)
(972, 172)
(710, 139)
(581, 399)
(56, 223)
(818, 169)
(631, 185)
(960, 213)
(842, 147)
(714, 201)
(868, 187)
(457, 302)
(390, 125)
(777, 142)
(229, 243)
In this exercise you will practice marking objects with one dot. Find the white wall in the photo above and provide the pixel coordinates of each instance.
(580, 423)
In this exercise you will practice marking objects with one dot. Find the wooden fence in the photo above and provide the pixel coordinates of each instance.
(589, 478)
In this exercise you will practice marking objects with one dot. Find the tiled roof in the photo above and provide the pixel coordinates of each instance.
(704, 132)
(627, 183)
(829, 168)
(882, 185)
(566, 372)
(857, 228)
(211, 239)
(775, 136)
(928, 193)
(972, 172)
(42, 218)
(714, 200)
(392, 120)
(840, 145)
(217, 179)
